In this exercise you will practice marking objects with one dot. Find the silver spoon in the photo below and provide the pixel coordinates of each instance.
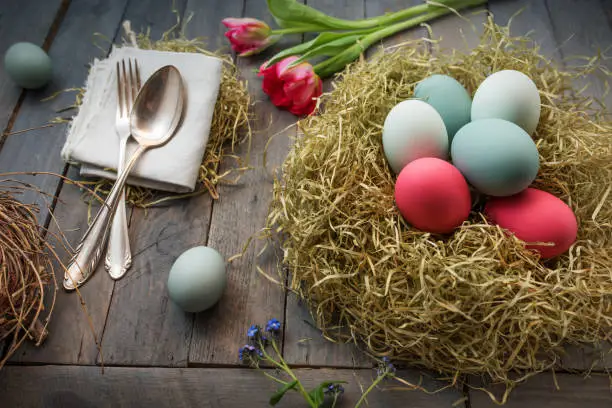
(156, 116)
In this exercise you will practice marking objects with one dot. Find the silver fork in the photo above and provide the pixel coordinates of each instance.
(119, 256)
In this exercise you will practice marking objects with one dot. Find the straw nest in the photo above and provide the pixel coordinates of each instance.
(476, 301)
(26, 269)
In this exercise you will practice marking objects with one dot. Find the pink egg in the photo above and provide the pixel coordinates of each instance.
(536, 216)
(432, 195)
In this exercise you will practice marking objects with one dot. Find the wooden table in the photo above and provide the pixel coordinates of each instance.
(153, 353)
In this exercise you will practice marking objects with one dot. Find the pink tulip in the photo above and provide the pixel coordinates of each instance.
(248, 36)
(295, 89)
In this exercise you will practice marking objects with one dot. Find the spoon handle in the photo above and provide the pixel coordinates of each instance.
(90, 249)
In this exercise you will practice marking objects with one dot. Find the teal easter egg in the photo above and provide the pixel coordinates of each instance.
(197, 279)
(509, 95)
(497, 157)
(28, 65)
(449, 98)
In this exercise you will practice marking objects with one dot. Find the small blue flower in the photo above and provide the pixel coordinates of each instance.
(334, 389)
(252, 332)
(273, 326)
(246, 351)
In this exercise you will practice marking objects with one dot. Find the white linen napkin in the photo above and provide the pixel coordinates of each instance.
(93, 142)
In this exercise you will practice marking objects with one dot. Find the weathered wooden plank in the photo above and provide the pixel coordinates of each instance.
(582, 30)
(34, 21)
(153, 16)
(380, 7)
(78, 387)
(143, 327)
(607, 6)
(460, 33)
(239, 214)
(528, 17)
(541, 391)
(71, 340)
(72, 50)
(304, 344)
(587, 357)
(199, 22)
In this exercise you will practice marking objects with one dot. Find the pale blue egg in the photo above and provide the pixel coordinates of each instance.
(28, 65)
(496, 156)
(197, 279)
(509, 95)
(449, 98)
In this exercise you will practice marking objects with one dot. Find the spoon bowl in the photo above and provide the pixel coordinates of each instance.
(158, 108)
(156, 116)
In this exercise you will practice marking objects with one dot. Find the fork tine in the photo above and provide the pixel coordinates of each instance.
(133, 85)
(138, 84)
(119, 91)
(126, 89)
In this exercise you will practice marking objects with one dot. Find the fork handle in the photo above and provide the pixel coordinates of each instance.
(119, 256)
(88, 253)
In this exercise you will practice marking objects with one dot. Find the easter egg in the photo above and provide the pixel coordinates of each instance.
(509, 95)
(496, 156)
(536, 216)
(197, 279)
(28, 65)
(413, 129)
(432, 195)
(449, 98)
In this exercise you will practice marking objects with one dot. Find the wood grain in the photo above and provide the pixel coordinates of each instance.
(540, 391)
(35, 19)
(80, 387)
(380, 7)
(582, 29)
(240, 214)
(460, 33)
(143, 326)
(528, 17)
(73, 49)
(72, 339)
(304, 344)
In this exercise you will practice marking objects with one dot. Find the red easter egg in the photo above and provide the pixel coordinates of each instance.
(536, 216)
(432, 195)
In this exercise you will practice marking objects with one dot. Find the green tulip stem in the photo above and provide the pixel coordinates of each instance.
(330, 65)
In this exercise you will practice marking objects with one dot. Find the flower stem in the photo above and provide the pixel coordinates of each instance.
(283, 366)
(395, 28)
(370, 388)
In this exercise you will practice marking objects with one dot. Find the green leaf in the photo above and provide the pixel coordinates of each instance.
(292, 14)
(278, 395)
(298, 49)
(324, 44)
(318, 394)
(328, 49)
(336, 63)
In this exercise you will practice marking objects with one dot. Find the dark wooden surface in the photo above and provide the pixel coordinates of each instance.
(153, 353)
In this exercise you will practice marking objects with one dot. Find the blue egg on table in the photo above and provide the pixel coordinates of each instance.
(28, 65)
(197, 279)
(449, 98)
